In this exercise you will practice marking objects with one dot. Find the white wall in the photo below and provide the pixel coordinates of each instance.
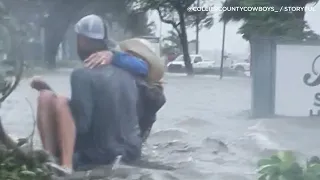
(293, 96)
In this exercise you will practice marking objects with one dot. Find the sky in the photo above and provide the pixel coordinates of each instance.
(211, 39)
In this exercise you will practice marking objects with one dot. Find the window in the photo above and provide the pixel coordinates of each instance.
(179, 58)
(197, 59)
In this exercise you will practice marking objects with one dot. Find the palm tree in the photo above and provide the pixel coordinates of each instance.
(137, 23)
(243, 15)
(173, 40)
(270, 23)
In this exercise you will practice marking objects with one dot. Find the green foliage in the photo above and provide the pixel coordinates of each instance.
(167, 49)
(284, 166)
(275, 27)
(14, 166)
(290, 25)
(171, 43)
(203, 18)
(172, 39)
(169, 11)
(136, 22)
(178, 14)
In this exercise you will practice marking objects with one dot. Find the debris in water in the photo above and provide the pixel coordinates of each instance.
(215, 144)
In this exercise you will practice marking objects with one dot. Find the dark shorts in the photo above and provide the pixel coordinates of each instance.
(80, 162)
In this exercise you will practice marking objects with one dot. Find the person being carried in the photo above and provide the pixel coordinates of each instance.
(100, 121)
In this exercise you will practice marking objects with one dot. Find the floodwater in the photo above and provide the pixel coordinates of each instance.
(203, 132)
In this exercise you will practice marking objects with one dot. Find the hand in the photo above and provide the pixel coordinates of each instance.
(98, 59)
(38, 84)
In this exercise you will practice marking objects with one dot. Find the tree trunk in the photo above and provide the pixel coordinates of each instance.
(56, 25)
(184, 43)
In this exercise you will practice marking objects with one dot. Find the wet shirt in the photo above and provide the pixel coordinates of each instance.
(104, 104)
(151, 99)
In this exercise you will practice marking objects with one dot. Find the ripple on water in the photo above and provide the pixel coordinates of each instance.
(176, 153)
(213, 151)
(155, 176)
(130, 173)
(175, 146)
(194, 123)
(171, 146)
(262, 137)
(215, 144)
(168, 135)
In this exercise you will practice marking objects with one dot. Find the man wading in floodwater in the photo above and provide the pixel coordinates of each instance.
(101, 121)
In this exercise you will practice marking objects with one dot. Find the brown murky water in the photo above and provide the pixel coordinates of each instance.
(203, 131)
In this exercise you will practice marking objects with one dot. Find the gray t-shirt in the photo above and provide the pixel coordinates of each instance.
(104, 105)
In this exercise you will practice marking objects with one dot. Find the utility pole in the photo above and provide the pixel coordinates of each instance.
(197, 28)
(222, 49)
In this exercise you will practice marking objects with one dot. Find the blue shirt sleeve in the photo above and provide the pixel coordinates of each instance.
(81, 100)
(130, 63)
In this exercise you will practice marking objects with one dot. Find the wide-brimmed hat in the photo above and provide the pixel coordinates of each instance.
(144, 49)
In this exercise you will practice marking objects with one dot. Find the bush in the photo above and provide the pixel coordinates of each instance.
(284, 166)
(16, 166)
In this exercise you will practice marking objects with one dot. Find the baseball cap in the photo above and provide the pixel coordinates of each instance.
(91, 26)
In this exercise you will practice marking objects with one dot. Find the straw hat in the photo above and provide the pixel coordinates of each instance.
(143, 48)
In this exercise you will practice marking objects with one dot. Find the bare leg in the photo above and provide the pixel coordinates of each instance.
(45, 121)
(56, 126)
(66, 131)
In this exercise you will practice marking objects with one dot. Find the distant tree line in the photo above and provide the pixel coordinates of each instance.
(132, 15)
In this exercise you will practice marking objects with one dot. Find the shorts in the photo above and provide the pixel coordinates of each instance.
(79, 161)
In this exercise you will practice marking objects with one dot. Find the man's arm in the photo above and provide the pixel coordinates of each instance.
(130, 63)
(81, 99)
